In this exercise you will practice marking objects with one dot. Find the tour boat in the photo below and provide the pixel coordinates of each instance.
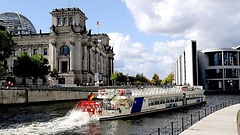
(122, 103)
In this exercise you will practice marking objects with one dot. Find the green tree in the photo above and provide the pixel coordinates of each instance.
(2, 69)
(35, 66)
(40, 64)
(6, 47)
(119, 78)
(168, 79)
(54, 73)
(141, 79)
(6, 44)
(156, 80)
(23, 67)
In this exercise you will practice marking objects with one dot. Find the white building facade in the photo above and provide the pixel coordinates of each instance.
(78, 55)
(185, 69)
(214, 69)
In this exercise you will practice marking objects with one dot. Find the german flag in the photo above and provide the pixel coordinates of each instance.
(90, 96)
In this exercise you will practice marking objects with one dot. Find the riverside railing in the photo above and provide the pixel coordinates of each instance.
(176, 127)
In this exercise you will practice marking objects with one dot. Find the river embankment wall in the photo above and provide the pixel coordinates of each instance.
(33, 95)
(21, 95)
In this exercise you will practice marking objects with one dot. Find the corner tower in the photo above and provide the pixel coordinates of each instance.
(73, 17)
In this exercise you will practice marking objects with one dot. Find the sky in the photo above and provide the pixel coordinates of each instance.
(147, 35)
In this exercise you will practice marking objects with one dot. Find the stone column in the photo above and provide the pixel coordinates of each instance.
(85, 58)
(71, 58)
(97, 63)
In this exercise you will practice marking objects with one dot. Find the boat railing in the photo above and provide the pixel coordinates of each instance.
(153, 91)
(163, 90)
(109, 93)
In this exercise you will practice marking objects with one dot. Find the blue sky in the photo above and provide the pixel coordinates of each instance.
(147, 35)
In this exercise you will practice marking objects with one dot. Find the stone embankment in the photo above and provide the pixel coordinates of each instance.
(20, 95)
(43, 94)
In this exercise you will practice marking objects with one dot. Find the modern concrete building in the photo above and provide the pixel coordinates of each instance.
(78, 55)
(185, 70)
(214, 69)
(220, 68)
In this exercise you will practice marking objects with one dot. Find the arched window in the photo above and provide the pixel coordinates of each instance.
(70, 20)
(64, 21)
(64, 50)
(58, 21)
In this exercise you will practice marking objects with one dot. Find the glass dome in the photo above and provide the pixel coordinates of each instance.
(17, 23)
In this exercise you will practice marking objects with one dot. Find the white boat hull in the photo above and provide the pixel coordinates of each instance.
(124, 103)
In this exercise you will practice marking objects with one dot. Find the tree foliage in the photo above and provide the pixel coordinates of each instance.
(6, 47)
(118, 77)
(156, 80)
(35, 66)
(41, 65)
(54, 73)
(168, 79)
(6, 44)
(121, 79)
(23, 66)
(2, 69)
(141, 79)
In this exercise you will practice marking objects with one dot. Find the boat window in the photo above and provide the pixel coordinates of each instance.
(163, 101)
(149, 102)
(171, 99)
(167, 100)
(152, 102)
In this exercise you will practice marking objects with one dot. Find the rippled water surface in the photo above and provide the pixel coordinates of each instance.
(60, 119)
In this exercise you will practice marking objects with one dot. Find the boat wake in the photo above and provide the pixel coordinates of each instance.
(73, 119)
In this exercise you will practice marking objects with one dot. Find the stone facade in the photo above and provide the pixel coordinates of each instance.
(78, 55)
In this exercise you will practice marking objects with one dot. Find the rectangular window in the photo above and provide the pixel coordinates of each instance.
(230, 58)
(231, 73)
(215, 59)
(45, 51)
(15, 53)
(214, 73)
(35, 51)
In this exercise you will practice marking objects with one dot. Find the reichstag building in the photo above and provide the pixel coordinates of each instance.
(79, 56)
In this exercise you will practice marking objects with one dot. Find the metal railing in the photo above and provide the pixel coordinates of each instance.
(176, 127)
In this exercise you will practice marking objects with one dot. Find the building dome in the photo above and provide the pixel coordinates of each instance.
(17, 23)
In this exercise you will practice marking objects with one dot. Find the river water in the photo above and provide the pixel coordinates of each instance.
(61, 119)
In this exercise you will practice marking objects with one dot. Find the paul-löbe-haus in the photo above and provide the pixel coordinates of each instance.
(214, 69)
(78, 55)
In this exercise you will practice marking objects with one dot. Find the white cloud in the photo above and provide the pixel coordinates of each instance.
(133, 58)
(212, 23)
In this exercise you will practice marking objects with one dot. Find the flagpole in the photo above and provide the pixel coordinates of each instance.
(98, 26)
